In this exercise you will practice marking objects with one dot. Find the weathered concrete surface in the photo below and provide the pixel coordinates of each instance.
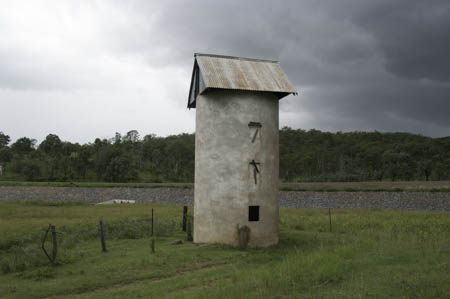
(224, 180)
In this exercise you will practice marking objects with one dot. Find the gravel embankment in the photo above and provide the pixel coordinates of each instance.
(427, 201)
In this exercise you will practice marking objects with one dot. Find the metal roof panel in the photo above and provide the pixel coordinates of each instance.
(229, 72)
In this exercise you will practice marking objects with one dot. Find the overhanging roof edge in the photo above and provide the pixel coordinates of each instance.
(213, 71)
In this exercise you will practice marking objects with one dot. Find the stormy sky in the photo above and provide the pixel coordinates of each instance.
(87, 69)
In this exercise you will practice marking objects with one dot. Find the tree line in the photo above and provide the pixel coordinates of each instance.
(304, 156)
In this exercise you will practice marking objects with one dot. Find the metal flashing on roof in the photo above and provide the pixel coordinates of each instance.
(234, 57)
(228, 72)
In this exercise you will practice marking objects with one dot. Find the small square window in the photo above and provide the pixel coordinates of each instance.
(253, 213)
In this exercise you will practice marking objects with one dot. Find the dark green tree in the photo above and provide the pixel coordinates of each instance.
(4, 140)
(51, 146)
(23, 146)
(6, 155)
(426, 167)
(31, 169)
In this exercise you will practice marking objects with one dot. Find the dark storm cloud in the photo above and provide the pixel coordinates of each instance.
(414, 36)
(359, 65)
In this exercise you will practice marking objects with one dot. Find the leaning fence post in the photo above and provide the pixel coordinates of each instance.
(55, 244)
(329, 216)
(43, 244)
(185, 210)
(102, 235)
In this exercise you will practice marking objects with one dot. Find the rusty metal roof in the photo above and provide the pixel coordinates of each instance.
(229, 72)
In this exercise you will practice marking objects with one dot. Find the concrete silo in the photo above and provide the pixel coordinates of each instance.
(236, 147)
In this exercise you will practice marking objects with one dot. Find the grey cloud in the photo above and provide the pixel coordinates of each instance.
(414, 36)
(358, 65)
(396, 106)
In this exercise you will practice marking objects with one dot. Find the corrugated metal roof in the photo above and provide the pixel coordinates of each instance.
(228, 72)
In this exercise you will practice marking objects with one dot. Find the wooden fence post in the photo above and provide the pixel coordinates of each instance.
(152, 222)
(55, 244)
(102, 235)
(185, 210)
(152, 244)
(329, 216)
(189, 224)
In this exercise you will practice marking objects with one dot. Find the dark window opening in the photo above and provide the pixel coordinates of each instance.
(253, 213)
(254, 124)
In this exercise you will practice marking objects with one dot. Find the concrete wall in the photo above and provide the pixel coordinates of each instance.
(224, 180)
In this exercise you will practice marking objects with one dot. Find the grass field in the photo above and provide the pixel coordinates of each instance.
(373, 186)
(362, 257)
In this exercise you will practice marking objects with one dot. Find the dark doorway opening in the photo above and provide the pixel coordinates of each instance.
(253, 213)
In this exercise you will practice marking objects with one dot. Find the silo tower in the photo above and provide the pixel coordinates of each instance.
(236, 147)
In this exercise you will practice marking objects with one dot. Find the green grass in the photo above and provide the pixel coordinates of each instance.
(360, 258)
(95, 184)
(371, 186)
